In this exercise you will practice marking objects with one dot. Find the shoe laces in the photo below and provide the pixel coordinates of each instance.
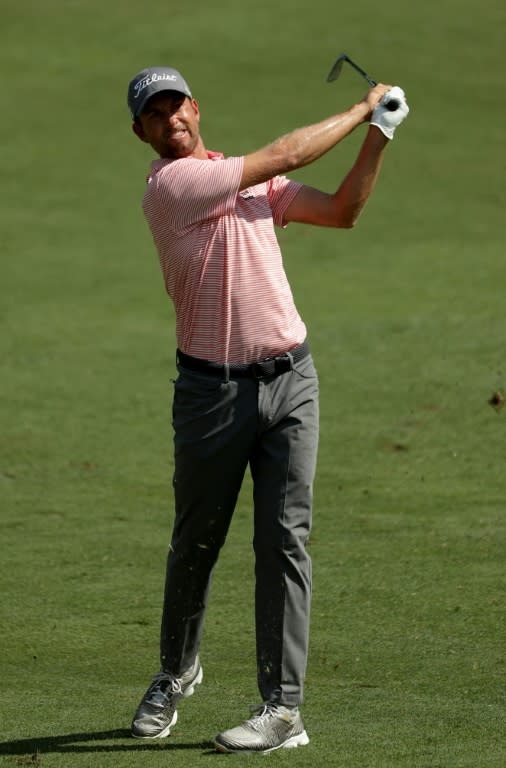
(265, 711)
(163, 687)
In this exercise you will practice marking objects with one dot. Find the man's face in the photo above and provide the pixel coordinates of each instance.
(170, 124)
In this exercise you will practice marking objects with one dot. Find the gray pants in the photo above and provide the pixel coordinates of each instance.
(221, 426)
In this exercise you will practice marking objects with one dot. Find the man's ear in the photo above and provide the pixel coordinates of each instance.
(139, 132)
(196, 109)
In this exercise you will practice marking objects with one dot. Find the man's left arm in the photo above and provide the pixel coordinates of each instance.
(342, 209)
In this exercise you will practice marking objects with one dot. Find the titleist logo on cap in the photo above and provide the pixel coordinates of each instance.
(153, 78)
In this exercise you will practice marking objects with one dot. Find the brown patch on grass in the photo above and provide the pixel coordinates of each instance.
(396, 447)
(497, 400)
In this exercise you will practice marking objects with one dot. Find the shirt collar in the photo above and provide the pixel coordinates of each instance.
(161, 162)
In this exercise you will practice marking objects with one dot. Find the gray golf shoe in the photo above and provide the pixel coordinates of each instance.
(271, 727)
(157, 712)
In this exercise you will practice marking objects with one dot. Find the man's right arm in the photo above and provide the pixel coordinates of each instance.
(305, 145)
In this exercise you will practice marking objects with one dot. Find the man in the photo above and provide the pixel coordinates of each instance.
(247, 390)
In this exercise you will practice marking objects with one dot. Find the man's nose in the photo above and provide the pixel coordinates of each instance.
(171, 116)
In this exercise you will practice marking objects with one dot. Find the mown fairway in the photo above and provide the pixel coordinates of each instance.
(407, 323)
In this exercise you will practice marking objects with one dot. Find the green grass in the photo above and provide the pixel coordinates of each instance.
(406, 320)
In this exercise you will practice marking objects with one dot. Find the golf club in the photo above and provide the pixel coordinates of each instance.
(334, 73)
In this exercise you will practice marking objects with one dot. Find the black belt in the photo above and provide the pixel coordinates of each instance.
(262, 369)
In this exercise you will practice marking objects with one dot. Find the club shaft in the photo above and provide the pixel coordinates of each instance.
(360, 71)
(393, 104)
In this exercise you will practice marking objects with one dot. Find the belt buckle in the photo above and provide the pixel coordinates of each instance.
(271, 366)
(263, 368)
(284, 363)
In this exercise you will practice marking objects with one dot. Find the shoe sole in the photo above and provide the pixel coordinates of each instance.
(300, 740)
(162, 734)
(166, 731)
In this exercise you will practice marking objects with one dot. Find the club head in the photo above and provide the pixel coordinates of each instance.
(336, 69)
(338, 65)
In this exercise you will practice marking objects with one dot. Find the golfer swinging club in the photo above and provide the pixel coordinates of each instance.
(247, 389)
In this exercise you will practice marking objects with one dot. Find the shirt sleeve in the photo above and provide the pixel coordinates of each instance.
(189, 191)
(281, 192)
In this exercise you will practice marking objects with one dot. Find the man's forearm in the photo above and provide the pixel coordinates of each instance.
(305, 145)
(342, 209)
(302, 146)
(353, 193)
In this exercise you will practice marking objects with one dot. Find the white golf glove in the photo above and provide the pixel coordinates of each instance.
(387, 120)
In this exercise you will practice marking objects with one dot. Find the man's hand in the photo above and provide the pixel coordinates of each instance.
(387, 120)
(373, 97)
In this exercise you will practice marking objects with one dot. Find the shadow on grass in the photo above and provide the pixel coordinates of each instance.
(84, 743)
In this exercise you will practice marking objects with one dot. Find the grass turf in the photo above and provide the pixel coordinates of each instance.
(407, 663)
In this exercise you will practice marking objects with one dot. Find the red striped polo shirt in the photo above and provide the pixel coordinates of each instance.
(221, 260)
